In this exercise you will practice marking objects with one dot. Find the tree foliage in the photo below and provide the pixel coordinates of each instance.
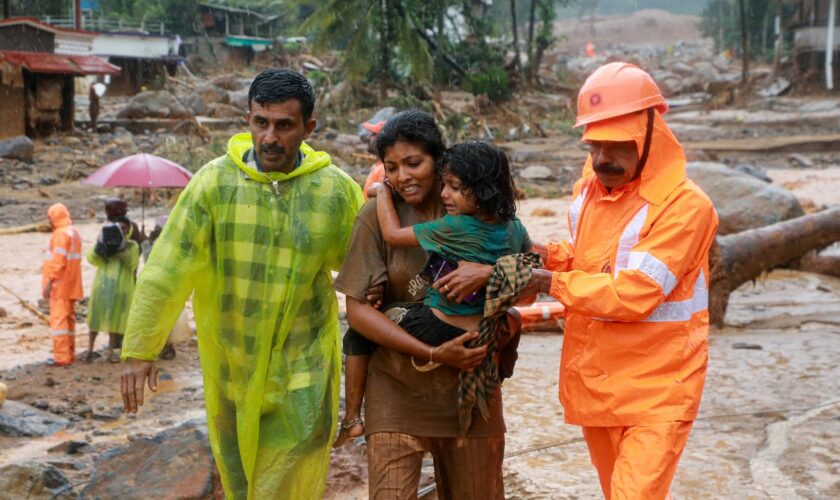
(722, 22)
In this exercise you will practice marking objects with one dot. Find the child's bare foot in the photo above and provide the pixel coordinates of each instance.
(349, 430)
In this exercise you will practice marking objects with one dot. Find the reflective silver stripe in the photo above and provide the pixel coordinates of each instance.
(74, 256)
(628, 239)
(574, 213)
(655, 269)
(682, 310)
(60, 251)
(56, 333)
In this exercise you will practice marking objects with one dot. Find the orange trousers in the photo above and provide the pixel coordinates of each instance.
(63, 330)
(637, 462)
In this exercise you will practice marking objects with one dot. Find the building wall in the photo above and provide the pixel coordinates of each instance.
(74, 45)
(12, 114)
(121, 45)
(26, 38)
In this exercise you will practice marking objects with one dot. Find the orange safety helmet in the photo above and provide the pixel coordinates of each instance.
(617, 89)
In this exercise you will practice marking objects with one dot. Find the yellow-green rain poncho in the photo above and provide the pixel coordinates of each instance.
(257, 249)
(112, 289)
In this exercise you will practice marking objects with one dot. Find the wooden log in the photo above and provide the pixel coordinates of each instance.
(26, 305)
(741, 257)
(41, 226)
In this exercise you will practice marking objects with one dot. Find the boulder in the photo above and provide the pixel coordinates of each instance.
(536, 173)
(21, 420)
(175, 463)
(238, 98)
(212, 94)
(227, 82)
(154, 104)
(195, 104)
(225, 111)
(18, 148)
(34, 481)
(757, 172)
(743, 201)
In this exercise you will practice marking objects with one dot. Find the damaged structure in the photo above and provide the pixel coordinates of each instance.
(38, 63)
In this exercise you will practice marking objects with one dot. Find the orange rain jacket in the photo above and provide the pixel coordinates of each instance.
(634, 281)
(63, 262)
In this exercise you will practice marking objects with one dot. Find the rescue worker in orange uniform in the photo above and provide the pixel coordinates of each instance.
(62, 283)
(634, 281)
(377, 170)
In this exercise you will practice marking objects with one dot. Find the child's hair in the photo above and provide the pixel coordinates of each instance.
(484, 172)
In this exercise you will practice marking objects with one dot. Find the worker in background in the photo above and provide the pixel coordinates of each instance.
(590, 49)
(377, 170)
(634, 280)
(115, 257)
(62, 283)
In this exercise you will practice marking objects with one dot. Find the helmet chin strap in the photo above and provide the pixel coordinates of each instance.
(646, 148)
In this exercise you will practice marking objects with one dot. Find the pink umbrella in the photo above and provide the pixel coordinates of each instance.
(143, 171)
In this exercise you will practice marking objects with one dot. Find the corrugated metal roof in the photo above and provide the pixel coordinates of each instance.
(45, 62)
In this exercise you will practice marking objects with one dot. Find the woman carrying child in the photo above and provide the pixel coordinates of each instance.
(408, 411)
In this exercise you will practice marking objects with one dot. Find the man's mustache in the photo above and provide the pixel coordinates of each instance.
(272, 149)
(608, 169)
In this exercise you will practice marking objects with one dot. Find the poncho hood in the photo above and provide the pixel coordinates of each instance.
(239, 144)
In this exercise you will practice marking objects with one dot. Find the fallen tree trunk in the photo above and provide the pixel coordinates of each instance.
(43, 227)
(741, 257)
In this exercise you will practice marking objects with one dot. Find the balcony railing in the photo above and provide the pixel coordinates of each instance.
(104, 25)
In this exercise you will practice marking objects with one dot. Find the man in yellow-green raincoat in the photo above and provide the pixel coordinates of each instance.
(255, 235)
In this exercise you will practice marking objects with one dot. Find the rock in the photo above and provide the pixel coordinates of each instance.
(225, 111)
(175, 463)
(798, 160)
(154, 104)
(19, 148)
(227, 82)
(195, 104)
(49, 382)
(238, 98)
(757, 172)
(3, 391)
(212, 94)
(3, 313)
(745, 345)
(536, 173)
(33, 480)
(21, 420)
(70, 447)
(741, 200)
(48, 181)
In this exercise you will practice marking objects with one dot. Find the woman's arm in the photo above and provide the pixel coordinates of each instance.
(377, 327)
(389, 221)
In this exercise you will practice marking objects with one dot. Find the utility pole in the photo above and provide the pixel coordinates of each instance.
(77, 13)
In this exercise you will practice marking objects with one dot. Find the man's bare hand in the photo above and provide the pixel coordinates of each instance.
(135, 374)
(466, 279)
(456, 355)
(47, 290)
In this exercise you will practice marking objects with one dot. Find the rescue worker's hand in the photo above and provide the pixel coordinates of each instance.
(456, 355)
(135, 373)
(469, 277)
(374, 295)
(48, 290)
(540, 283)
